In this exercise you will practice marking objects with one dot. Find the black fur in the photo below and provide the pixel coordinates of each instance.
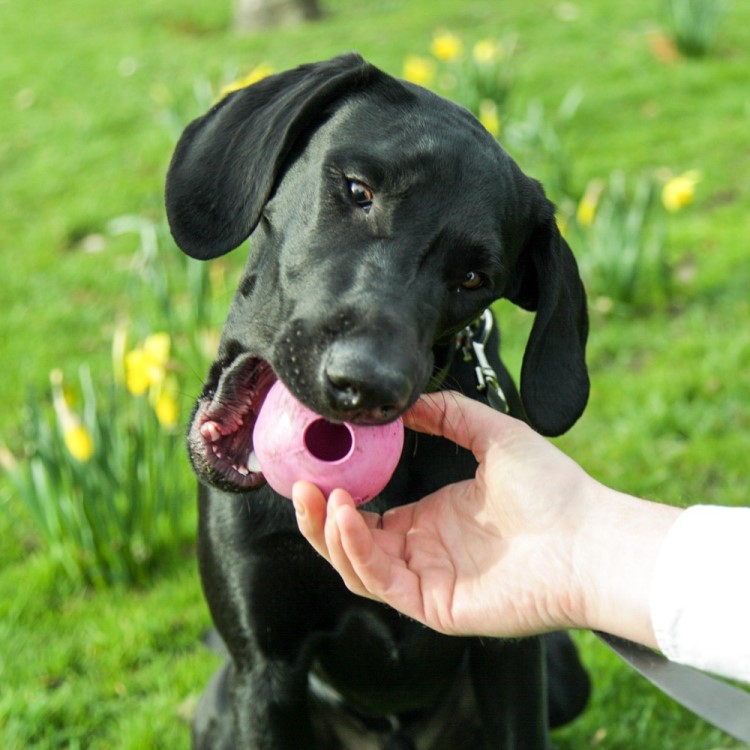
(383, 220)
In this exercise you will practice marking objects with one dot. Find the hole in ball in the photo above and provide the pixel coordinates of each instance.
(328, 441)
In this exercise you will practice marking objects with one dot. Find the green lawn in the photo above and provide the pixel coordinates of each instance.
(90, 92)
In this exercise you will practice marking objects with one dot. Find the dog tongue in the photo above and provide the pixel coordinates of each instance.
(291, 442)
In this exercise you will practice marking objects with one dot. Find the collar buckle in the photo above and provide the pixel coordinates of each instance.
(473, 341)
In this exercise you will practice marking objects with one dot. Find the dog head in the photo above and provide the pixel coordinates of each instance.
(384, 219)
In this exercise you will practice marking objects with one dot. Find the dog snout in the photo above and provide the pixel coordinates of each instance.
(361, 382)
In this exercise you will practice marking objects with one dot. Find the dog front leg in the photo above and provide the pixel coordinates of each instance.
(244, 711)
(270, 708)
(509, 683)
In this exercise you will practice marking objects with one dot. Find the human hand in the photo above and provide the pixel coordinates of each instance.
(493, 555)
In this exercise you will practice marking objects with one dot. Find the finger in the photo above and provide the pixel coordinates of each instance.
(468, 423)
(310, 506)
(372, 520)
(341, 500)
(385, 577)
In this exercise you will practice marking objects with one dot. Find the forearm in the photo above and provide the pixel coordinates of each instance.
(615, 557)
(670, 579)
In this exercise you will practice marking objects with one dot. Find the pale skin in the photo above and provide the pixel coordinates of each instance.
(531, 544)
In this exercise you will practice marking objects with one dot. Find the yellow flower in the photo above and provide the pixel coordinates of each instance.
(487, 51)
(8, 461)
(258, 73)
(167, 410)
(157, 346)
(419, 70)
(136, 372)
(490, 117)
(76, 437)
(119, 345)
(165, 403)
(147, 366)
(78, 442)
(446, 46)
(589, 203)
(679, 191)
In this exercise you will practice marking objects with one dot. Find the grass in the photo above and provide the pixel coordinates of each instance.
(87, 89)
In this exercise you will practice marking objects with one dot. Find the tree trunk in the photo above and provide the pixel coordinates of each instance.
(252, 15)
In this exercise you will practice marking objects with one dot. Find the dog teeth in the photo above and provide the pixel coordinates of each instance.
(241, 470)
(211, 431)
(252, 463)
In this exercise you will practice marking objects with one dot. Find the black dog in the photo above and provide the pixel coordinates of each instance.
(384, 219)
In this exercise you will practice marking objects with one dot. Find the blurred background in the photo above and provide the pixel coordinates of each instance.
(635, 116)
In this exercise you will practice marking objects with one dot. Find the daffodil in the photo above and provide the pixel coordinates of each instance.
(418, 70)
(79, 443)
(147, 366)
(447, 47)
(258, 73)
(490, 117)
(679, 191)
(587, 207)
(76, 437)
(165, 403)
(167, 410)
(119, 345)
(8, 461)
(487, 51)
(136, 372)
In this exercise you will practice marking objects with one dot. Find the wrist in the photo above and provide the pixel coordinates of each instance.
(614, 558)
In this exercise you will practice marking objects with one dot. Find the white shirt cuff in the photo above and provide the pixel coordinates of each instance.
(700, 595)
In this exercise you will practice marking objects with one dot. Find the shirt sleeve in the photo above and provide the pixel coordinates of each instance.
(700, 593)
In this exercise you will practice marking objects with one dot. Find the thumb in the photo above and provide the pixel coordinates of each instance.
(468, 423)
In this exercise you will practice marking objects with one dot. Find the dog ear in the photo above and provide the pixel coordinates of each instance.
(554, 377)
(226, 163)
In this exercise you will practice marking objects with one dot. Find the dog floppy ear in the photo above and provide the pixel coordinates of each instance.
(225, 164)
(554, 377)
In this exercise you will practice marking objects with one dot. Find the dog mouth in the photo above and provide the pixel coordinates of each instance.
(220, 437)
(220, 440)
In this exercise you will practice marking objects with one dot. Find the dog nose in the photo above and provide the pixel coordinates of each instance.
(362, 382)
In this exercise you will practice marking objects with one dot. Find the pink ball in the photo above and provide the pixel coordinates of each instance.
(291, 442)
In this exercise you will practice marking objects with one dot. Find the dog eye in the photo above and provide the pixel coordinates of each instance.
(472, 280)
(361, 194)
